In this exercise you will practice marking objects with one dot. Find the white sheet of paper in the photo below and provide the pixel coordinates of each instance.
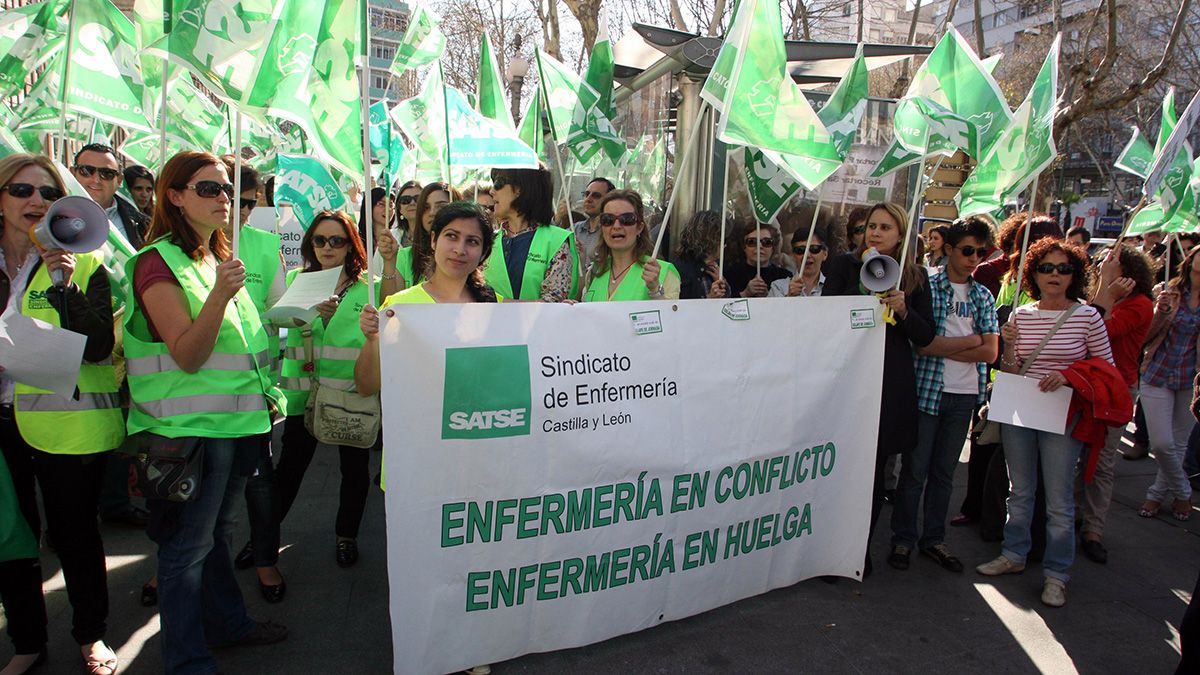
(1016, 400)
(307, 291)
(40, 355)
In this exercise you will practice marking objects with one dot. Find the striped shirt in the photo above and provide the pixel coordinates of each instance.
(1082, 336)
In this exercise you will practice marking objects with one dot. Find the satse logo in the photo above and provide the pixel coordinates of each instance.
(486, 392)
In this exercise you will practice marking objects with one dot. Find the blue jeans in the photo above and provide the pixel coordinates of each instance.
(1024, 450)
(929, 468)
(200, 603)
(262, 507)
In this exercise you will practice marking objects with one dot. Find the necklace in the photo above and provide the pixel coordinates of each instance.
(616, 278)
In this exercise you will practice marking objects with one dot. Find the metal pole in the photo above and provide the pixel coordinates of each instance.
(66, 81)
(1024, 249)
(364, 105)
(236, 211)
(918, 196)
(812, 227)
(680, 166)
(162, 121)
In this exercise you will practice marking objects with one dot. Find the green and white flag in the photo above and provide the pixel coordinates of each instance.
(307, 185)
(29, 36)
(927, 127)
(9, 143)
(489, 99)
(422, 118)
(1137, 156)
(1173, 188)
(1024, 149)
(307, 76)
(387, 147)
(897, 157)
(531, 132)
(956, 80)
(105, 80)
(1187, 214)
(145, 147)
(477, 142)
(770, 185)
(600, 71)
(573, 107)
(1148, 219)
(423, 42)
(223, 41)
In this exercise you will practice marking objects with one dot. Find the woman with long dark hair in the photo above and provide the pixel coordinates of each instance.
(622, 268)
(535, 260)
(912, 309)
(696, 259)
(197, 362)
(412, 262)
(325, 350)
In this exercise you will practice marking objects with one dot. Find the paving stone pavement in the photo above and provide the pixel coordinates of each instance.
(1120, 617)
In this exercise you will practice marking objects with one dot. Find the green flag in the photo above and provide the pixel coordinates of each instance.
(1149, 219)
(761, 105)
(105, 81)
(1023, 150)
(531, 132)
(307, 76)
(423, 42)
(387, 148)
(1173, 188)
(222, 42)
(9, 143)
(575, 116)
(307, 185)
(479, 142)
(1187, 214)
(28, 37)
(897, 157)
(770, 185)
(926, 127)
(1137, 156)
(600, 72)
(422, 118)
(489, 99)
(954, 79)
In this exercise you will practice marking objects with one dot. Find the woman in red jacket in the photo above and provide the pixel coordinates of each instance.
(1124, 295)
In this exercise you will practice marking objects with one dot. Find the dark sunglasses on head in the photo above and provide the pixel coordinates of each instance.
(972, 251)
(87, 171)
(609, 219)
(405, 200)
(211, 188)
(765, 242)
(815, 249)
(593, 194)
(319, 241)
(249, 204)
(1061, 268)
(24, 190)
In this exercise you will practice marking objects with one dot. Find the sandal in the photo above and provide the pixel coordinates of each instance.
(1149, 508)
(96, 667)
(1181, 509)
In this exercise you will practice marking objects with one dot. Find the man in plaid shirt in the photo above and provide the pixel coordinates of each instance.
(951, 380)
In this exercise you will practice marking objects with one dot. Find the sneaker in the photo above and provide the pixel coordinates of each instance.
(899, 557)
(1094, 550)
(942, 555)
(1000, 565)
(1054, 592)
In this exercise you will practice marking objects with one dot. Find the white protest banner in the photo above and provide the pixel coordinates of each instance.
(573, 473)
(282, 220)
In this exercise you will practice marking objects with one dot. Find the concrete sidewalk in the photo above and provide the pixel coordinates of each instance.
(1120, 617)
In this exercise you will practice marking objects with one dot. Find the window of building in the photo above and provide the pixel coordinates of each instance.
(847, 10)
(379, 81)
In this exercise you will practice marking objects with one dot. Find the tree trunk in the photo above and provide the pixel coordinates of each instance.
(677, 17)
(860, 20)
(912, 26)
(949, 20)
(548, 14)
(587, 13)
(714, 26)
(979, 28)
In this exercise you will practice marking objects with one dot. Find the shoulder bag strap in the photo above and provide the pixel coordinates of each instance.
(1049, 334)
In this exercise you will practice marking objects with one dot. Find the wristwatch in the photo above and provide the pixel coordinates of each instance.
(658, 292)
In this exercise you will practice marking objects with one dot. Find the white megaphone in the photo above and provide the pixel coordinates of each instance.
(879, 272)
(74, 224)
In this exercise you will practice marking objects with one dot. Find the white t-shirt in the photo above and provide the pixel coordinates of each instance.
(959, 377)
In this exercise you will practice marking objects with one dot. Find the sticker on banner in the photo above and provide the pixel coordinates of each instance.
(645, 323)
(738, 310)
(486, 392)
(862, 318)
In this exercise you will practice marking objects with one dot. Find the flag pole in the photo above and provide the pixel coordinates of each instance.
(724, 215)
(236, 211)
(66, 81)
(446, 124)
(812, 227)
(1024, 245)
(369, 227)
(918, 195)
(162, 121)
(680, 166)
(544, 100)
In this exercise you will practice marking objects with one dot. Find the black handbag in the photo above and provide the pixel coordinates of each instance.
(167, 468)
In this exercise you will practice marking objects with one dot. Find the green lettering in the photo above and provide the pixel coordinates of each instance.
(450, 523)
(553, 506)
(548, 575)
(572, 569)
(479, 524)
(527, 517)
(476, 586)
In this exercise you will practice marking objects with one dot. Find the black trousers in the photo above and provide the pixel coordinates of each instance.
(298, 449)
(70, 486)
(24, 606)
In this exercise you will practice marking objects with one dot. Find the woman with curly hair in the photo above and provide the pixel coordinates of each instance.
(1066, 331)
(1168, 368)
(1124, 297)
(696, 260)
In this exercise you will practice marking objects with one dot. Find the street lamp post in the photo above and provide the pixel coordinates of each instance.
(518, 68)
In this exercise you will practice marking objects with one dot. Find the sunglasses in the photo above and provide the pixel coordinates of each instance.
(594, 195)
(815, 249)
(971, 251)
(87, 171)
(1050, 268)
(626, 219)
(320, 240)
(249, 204)
(500, 184)
(765, 242)
(24, 190)
(211, 188)
(405, 200)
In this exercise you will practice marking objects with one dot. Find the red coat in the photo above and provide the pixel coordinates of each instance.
(1101, 399)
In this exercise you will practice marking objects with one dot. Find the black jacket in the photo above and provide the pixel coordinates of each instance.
(89, 314)
(136, 222)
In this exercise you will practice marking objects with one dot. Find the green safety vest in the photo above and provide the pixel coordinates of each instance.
(335, 349)
(229, 396)
(632, 287)
(65, 425)
(404, 259)
(259, 251)
(547, 239)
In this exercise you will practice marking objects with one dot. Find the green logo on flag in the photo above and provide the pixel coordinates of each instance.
(486, 392)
